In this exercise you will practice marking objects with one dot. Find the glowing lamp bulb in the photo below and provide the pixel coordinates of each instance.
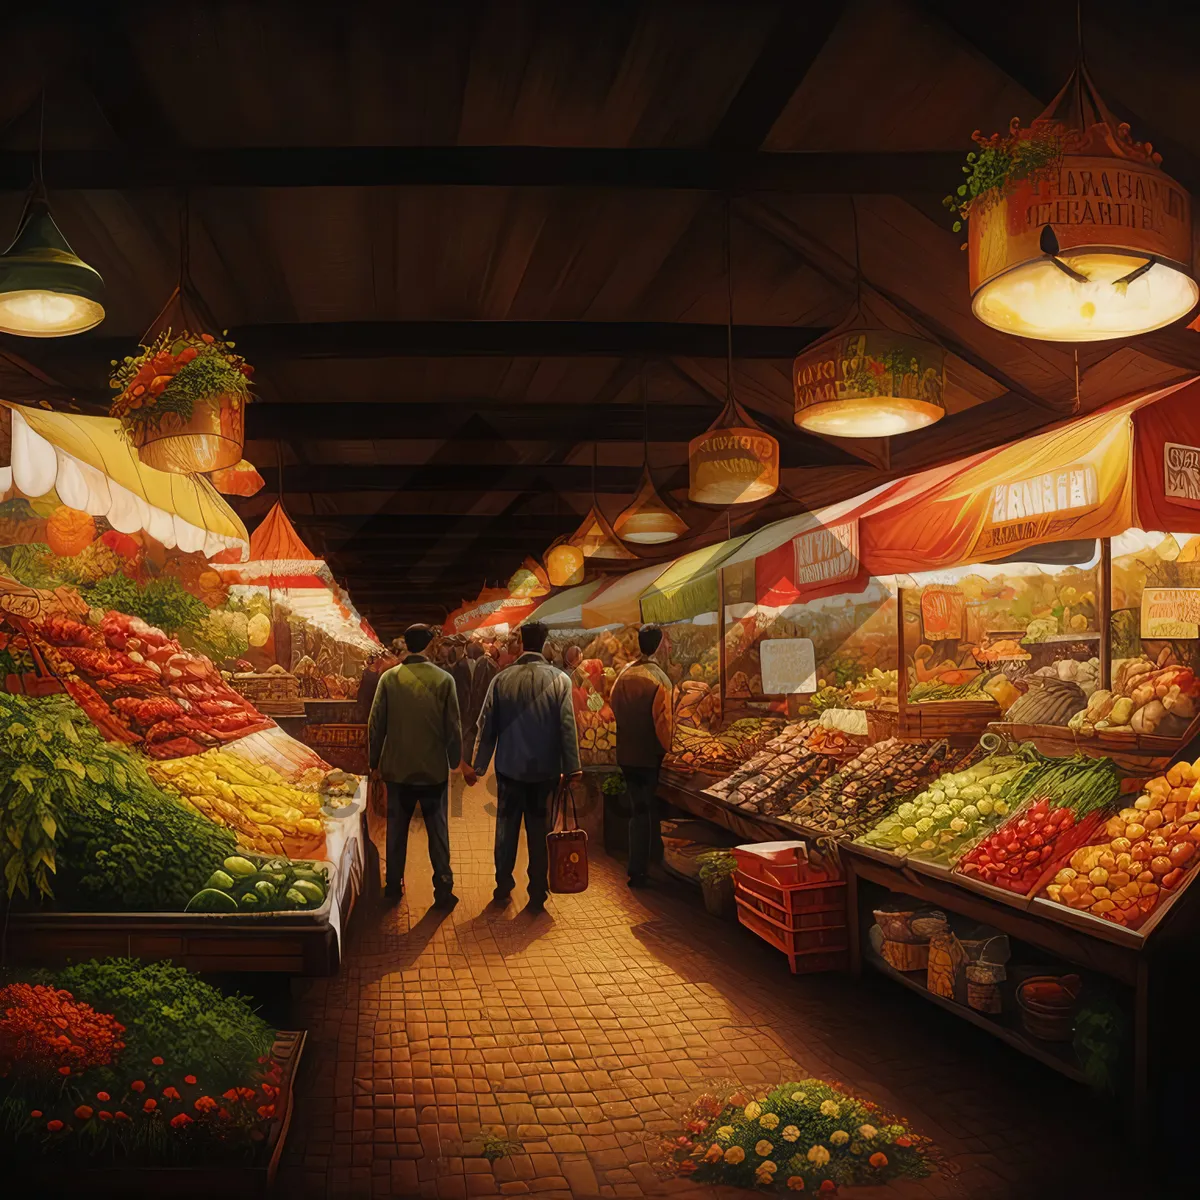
(35, 313)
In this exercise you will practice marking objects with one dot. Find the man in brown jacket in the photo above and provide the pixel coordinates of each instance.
(641, 702)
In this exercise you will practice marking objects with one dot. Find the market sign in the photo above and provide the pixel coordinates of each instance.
(869, 383)
(1171, 613)
(942, 613)
(1181, 473)
(826, 555)
(789, 665)
(1040, 507)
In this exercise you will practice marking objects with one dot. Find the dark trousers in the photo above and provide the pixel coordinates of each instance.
(517, 801)
(645, 836)
(402, 801)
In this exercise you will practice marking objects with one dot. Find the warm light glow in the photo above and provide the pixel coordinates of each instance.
(642, 532)
(732, 464)
(649, 520)
(1040, 300)
(564, 565)
(35, 313)
(870, 416)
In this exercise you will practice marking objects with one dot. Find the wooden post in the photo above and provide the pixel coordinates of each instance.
(902, 668)
(720, 644)
(1105, 613)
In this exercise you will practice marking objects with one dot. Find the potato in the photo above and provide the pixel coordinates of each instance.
(1153, 819)
(1143, 803)
(1103, 906)
(1098, 875)
(1149, 889)
(1135, 832)
(1120, 845)
(1118, 879)
(1101, 892)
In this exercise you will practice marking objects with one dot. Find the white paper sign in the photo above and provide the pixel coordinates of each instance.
(788, 665)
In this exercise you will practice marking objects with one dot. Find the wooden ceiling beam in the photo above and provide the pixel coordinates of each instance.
(663, 169)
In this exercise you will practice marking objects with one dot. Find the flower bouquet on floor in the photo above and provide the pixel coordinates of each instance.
(806, 1136)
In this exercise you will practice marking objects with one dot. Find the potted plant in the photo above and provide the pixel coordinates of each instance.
(182, 401)
(716, 882)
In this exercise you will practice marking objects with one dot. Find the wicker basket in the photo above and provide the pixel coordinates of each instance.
(905, 956)
(1050, 1023)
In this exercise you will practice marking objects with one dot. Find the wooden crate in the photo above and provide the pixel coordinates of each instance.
(946, 718)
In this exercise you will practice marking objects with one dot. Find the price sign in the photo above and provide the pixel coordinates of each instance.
(789, 665)
(1171, 613)
(942, 611)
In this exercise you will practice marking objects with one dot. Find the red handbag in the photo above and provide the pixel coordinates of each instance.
(566, 848)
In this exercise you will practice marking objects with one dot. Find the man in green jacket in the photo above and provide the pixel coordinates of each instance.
(415, 740)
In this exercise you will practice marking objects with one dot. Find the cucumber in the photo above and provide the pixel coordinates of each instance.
(219, 880)
(299, 899)
(251, 900)
(211, 900)
(313, 891)
(265, 890)
(240, 867)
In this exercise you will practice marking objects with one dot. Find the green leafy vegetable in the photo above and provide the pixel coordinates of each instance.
(163, 603)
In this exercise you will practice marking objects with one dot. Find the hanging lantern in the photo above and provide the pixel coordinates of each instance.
(864, 382)
(46, 289)
(182, 402)
(733, 462)
(1094, 243)
(595, 537)
(529, 580)
(564, 564)
(649, 520)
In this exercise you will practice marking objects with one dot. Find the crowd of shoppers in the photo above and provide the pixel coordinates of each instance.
(426, 721)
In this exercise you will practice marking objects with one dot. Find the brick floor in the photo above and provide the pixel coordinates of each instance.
(581, 1032)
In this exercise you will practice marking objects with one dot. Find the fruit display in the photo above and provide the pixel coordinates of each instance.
(698, 750)
(1148, 696)
(295, 762)
(695, 704)
(1146, 852)
(595, 722)
(142, 688)
(854, 797)
(1067, 801)
(1048, 701)
(262, 885)
(801, 756)
(255, 802)
(949, 815)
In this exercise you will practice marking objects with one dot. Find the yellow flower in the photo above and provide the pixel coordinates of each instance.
(765, 1174)
(839, 1137)
(753, 1109)
(799, 1097)
(714, 1153)
(830, 1108)
(818, 1155)
(763, 1148)
(735, 1155)
(725, 1132)
(790, 1133)
(867, 1131)
(796, 1183)
(769, 1121)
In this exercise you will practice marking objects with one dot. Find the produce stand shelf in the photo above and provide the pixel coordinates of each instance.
(684, 792)
(201, 1181)
(291, 943)
(1056, 1055)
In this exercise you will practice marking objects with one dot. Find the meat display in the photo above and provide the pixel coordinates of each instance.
(141, 687)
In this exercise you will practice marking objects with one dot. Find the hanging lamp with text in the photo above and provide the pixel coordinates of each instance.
(1075, 233)
(734, 461)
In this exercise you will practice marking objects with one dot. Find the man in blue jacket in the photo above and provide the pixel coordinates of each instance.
(528, 722)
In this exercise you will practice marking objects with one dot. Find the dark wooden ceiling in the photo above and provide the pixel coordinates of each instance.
(457, 240)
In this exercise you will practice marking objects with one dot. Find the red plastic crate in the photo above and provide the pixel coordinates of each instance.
(797, 897)
(805, 918)
(782, 868)
(808, 950)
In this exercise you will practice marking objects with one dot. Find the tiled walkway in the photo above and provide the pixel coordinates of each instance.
(581, 1032)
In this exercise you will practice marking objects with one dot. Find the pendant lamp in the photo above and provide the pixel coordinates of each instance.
(564, 564)
(734, 461)
(1095, 245)
(865, 380)
(595, 536)
(649, 520)
(46, 289)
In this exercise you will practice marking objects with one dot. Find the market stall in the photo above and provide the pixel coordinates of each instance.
(148, 802)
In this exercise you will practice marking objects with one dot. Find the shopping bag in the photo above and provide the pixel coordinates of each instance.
(566, 848)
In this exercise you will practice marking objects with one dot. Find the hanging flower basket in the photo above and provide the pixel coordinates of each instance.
(182, 402)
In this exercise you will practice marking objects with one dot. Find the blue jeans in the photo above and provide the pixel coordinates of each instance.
(403, 799)
(517, 801)
(645, 836)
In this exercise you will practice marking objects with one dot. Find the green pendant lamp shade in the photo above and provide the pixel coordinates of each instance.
(46, 289)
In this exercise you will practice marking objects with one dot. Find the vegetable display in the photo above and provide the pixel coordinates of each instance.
(1049, 701)
(1146, 852)
(1067, 799)
(696, 749)
(952, 812)
(255, 802)
(160, 1068)
(262, 885)
(1154, 697)
(854, 797)
(86, 824)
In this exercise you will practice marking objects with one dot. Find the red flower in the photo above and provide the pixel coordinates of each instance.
(83, 1113)
(122, 1116)
(262, 1058)
(54, 1126)
(158, 1062)
(105, 1116)
(223, 1113)
(230, 1095)
(246, 1093)
(266, 1110)
(36, 1114)
(180, 1120)
(170, 1093)
(904, 1141)
(102, 1097)
(138, 1085)
(189, 1079)
(268, 1090)
(205, 1104)
(150, 1106)
(64, 1070)
(45, 1030)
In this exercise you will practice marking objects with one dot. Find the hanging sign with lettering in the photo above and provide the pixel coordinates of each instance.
(1181, 473)
(1171, 613)
(826, 555)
